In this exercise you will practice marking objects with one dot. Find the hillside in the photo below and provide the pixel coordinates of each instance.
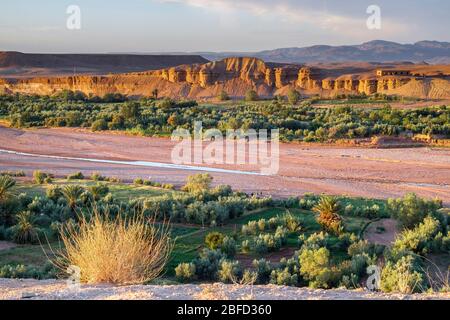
(204, 81)
(19, 65)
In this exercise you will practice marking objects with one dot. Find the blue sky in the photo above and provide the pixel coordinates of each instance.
(214, 25)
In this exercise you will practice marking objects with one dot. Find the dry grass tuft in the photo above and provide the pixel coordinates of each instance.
(120, 251)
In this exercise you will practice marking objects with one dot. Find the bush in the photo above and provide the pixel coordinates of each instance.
(223, 96)
(229, 246)
(122, 250)
(40, 177)
(208, 264)
(263, 269)
(411, 210)
(293, 96)
(402, 276)
(214, 240)
(229, 271)
(99, 125)
(251, 95)
(315, 266)
(198, 183)
(283, 278)
(75, 176)
(420, 239)
(97, 177)
(138, 181)
(185, 272)
(54, 193)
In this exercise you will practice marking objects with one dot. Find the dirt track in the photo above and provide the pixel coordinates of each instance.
(377, 173)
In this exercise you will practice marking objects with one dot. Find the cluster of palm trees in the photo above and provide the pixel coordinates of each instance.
(25, 230)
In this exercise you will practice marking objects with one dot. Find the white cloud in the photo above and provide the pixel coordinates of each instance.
(305, 13)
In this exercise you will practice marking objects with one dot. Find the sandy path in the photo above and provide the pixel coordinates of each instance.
(378, 173)
(386, 237)
(57, 290)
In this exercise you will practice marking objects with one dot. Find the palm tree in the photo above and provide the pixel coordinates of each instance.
(6, 184)
(327, 205)
(98, 191)
(72, 193)
(328, 210)
(25, 230)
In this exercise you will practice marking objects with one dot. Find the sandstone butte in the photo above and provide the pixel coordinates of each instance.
(204, 81)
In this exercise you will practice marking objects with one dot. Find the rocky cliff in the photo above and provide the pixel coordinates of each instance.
(238, 75)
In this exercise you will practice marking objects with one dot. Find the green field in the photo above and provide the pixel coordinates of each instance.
(188, 240)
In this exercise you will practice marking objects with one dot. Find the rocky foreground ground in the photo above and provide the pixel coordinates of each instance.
(58, 290)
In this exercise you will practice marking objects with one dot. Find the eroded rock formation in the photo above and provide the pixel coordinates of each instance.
(236, 76)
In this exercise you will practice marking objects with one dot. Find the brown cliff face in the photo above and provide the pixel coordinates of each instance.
(238, 75)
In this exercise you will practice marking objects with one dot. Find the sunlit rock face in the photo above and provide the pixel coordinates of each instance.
(204, 81)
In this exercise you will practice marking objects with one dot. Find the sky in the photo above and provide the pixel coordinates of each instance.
(213, 25)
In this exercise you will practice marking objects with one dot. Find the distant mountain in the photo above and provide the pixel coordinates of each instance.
(433, 52)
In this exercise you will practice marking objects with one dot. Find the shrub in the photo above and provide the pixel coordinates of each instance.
(138, 181)
(168, 186)
(13, 173)
(75, 176)
(208, 263)
(198, 183)
(123, 250)
(329, 219)
(420, 239)
(315, 266)
(47, 271)
(214, 240)
(97, 177)
(54, 193)
(185, 272)
(40, 177)
(293, 96)
(251, 95)
(245, 246)
(264, 243)
(99, 125)
(251, 228)
(229, 246)
(283, 278)
(261, 225)
(223, 96)
(411, 210)
(263, 269)
(229, 271)
(291, 222)
(402, 276)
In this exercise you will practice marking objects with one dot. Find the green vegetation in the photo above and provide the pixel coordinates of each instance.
(160, 118)
(222, 235)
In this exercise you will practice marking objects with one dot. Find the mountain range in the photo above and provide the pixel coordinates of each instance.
(432, 52)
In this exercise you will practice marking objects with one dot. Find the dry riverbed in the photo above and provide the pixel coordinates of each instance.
(365, 172)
